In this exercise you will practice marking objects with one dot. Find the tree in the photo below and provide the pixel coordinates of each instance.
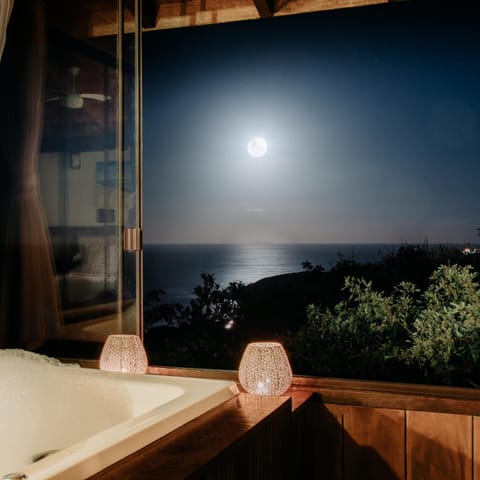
(201, 333)
(157, 313)
(213, 304)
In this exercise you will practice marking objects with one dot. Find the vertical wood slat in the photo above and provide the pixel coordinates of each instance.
(439, 446)
(476, 448)
(374, 444)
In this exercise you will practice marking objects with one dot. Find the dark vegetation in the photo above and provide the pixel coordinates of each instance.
(412, 316)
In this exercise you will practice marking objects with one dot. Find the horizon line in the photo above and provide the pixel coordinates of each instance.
(400, 243)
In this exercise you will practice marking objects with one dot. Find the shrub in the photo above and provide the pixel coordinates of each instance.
(446, 336)
(431, 336)
(359, 337)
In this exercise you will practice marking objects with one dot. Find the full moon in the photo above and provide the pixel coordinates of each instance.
(257, 147)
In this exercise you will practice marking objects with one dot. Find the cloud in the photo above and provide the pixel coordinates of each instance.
(256, 210)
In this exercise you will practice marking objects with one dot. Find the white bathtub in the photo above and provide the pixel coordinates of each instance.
(92, 418)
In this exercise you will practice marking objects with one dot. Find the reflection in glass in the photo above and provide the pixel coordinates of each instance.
(66, 173)
(79, 176)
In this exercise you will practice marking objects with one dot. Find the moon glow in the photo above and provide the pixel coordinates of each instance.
(257, 147)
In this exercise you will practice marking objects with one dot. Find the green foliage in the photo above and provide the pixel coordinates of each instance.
(446, 335)
(432, 336)
(422, 325)
(360, 336)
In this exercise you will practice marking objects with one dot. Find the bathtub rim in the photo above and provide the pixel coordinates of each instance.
(86, 458)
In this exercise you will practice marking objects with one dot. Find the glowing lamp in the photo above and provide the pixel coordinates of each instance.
(123, 353)
(265, 369)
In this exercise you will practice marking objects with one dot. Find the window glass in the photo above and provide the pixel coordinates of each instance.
(305, 179)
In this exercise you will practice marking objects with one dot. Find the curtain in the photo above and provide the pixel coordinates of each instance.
(28, 293)
(5, 11)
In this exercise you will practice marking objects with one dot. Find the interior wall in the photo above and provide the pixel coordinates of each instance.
(70, 187)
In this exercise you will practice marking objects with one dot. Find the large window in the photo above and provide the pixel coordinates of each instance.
(285, 160)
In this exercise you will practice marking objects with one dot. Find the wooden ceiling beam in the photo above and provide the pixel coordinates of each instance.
(94, 18)
(149, 12)
(187, 13)
(265, 8)
(308, 6)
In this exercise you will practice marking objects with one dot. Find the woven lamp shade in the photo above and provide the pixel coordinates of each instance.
(123, 353)
(265, 369)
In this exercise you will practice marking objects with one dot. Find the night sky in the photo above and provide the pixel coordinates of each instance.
(371, 116)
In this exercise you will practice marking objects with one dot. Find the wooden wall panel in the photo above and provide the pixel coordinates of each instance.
(301, 441)
(374, 444)
(439, 446)
(327, 439)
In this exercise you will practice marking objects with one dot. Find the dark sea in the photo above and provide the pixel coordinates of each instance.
(177, 268)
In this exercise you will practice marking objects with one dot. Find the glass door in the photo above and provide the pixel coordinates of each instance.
(88, 167)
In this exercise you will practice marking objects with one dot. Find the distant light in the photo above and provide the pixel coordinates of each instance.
(257, 147)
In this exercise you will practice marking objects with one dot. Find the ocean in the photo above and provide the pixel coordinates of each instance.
(177, 268)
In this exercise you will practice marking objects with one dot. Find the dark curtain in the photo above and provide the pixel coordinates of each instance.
(29, 306)
(5, 11)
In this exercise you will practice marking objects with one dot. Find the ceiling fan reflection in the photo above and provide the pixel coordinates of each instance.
(73, 99)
